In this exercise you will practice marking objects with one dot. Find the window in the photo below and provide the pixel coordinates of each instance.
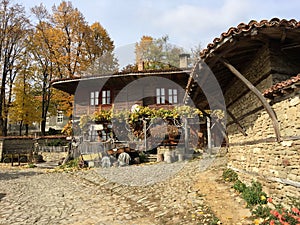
(173, 97)
(106, 97)
(160, 96)
(94, 98)
(59, 117)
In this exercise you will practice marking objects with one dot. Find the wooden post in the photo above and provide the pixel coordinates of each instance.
(208, 122)
(186, 135)
(258, 94)
(145, 133)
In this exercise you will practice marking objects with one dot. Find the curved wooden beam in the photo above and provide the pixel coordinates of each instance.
(258, 94)
(235, 120)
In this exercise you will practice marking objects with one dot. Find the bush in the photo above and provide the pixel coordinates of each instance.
(261, 211)
(254, 195)
(239, 186)
(229, 175)
(31, 165)
(55, 142)
(53, 131)
(72, 164)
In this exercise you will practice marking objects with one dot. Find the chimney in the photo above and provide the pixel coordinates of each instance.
(183, 60)
(141, 65)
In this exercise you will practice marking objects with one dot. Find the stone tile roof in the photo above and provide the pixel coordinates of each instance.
(243, 29)
(281, 87)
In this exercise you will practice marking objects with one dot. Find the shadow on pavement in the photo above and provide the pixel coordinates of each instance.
(15, 174)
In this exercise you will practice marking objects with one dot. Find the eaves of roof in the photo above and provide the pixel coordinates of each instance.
(280, 88)
(243, 29)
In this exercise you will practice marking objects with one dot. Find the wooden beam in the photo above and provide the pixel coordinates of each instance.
(199, 67)
(258, 94)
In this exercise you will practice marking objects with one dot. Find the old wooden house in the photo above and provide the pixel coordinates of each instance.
(156, 89)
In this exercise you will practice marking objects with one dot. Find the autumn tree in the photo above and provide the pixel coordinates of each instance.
(100, 50)
(64, 46)
(13, 35)
(42, 47)
(143, 48)
(157, 53)
(26, 105)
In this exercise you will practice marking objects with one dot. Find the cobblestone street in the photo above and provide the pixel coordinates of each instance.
(38, 196)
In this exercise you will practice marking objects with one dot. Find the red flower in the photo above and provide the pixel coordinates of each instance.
(274, 212)
(270, 200)
(272, 222)
(295, 210)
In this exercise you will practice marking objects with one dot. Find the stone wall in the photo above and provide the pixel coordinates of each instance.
(15, 146)
(25, 145)
(257, 156)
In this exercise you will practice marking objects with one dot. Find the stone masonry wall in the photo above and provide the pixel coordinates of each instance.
(275, 165)
(24, 145)
(258, 156)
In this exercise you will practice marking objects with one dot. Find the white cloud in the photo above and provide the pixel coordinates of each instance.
(197, 23)
(187, 22)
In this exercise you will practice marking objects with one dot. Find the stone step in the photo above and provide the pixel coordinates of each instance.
(151, 158)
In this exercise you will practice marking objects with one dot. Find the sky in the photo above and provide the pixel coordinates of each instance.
(188, 23)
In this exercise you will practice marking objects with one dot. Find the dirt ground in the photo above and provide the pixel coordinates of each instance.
(225, 203)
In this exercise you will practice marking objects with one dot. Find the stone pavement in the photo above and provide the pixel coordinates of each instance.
(37, 196)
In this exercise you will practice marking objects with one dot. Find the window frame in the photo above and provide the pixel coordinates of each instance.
(106, 97)
(94, 98)
(173, 96)
(160, 96)
(59, 117)
(166, 96)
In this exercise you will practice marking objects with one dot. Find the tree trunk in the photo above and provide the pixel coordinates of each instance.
(43, 127)
(5, 122)
(2, 99)
(20, 128)
(26, 129)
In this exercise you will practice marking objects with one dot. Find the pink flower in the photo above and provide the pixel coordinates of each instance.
(274, 212)
(295, 210)
(270, 200)
(272, 222)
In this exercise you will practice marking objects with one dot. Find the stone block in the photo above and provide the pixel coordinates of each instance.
(292, 177)
(295, 101)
